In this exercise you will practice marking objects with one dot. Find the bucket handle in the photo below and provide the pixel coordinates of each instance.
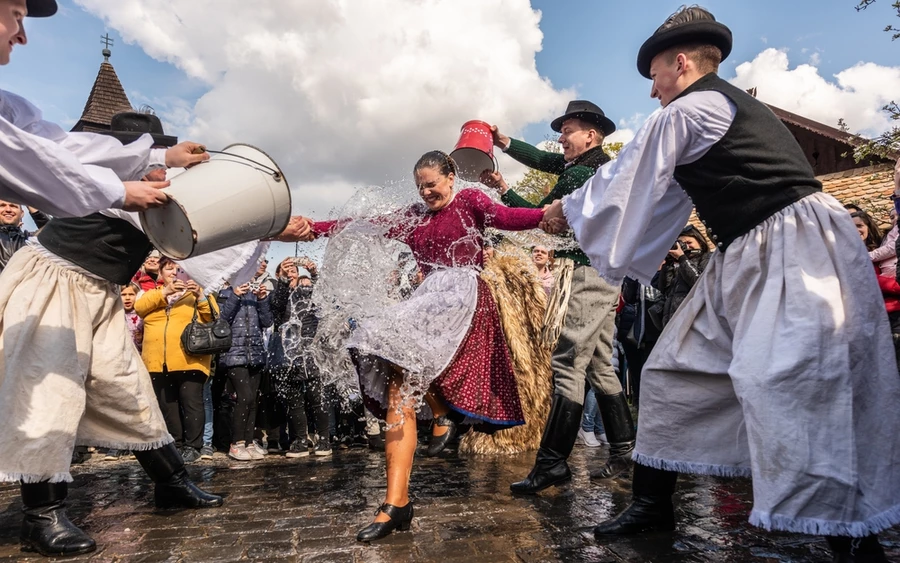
(275, 173)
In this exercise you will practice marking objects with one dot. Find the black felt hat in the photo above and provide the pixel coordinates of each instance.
(41, 8)
(128, 127)
(585, 111)
(690, 25)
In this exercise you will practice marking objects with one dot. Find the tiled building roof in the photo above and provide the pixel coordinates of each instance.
(106, 99)
(869, 188)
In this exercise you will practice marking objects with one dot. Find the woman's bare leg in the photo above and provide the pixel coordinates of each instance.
(399, 448)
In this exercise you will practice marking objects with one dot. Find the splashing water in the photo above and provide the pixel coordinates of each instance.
(364, 274)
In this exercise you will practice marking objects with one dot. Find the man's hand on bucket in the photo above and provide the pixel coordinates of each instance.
(186, 154)
(501, 141)
(299, 229)
(140, 196)
(494, 180)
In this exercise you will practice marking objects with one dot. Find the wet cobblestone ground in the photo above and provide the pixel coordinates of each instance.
(309, 510)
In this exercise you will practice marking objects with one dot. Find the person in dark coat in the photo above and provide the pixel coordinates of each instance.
(296, 374)
(12, 235)
(246, 308)
(682, 267)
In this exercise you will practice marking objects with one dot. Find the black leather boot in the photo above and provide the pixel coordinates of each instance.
(856, 550)
(550, 467)
(173, 486)
(651, 507)
(619, 426)
(46, 529)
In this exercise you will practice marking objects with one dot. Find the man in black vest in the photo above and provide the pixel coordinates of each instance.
(581, 312)
(67, 354)
(779, 365)
(12, 235)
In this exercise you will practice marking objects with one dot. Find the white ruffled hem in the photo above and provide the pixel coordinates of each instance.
(132, 446)
(816, 527)
(691, 467)
(64, 477)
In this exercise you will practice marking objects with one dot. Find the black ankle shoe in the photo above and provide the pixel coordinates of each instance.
(180, 492)
(46, 528)
(401, 518)
(645, 514)
(437, 444)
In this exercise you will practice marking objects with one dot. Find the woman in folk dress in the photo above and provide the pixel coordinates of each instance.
(444, 341)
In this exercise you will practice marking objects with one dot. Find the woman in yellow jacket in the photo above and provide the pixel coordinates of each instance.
(178, 377)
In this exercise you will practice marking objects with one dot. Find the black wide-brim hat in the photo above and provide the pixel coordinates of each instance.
(708, 32)
(585, 111)
(41, 8)
(129, 126)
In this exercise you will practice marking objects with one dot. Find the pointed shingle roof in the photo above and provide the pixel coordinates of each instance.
(106, 99)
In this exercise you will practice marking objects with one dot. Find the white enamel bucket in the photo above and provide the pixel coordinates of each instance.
(236, 196)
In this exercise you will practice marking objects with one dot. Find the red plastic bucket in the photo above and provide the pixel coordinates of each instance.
(474, 152)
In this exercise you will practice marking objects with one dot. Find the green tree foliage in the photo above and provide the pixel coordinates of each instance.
(886, 145)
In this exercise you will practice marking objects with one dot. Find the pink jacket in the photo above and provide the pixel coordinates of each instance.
(885, 256)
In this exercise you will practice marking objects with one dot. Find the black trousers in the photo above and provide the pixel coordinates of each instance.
(180, 397)
(301, 393)
(245, 380)
(635, 358)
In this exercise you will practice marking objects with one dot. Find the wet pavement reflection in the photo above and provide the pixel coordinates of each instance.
(310, 509)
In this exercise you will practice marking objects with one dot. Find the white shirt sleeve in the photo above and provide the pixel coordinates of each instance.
(627, 216)
(60, 173)
(235, 264)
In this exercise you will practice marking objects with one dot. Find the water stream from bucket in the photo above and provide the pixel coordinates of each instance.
(365, 276)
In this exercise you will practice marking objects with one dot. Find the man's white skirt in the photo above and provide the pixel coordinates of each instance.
(780, 366)
(69, 371)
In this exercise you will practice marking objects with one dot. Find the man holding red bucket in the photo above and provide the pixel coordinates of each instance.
(581, 312)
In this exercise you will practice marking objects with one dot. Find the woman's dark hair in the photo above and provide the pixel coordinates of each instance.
(436, 159)
(873, 239)
(691, 231)
(165, 261)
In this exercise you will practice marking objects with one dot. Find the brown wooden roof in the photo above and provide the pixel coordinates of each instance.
(814, 126)
(106, 99)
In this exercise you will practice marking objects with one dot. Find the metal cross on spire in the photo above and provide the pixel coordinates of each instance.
(108, 42)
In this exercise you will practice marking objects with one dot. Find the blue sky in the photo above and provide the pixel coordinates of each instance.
(588, 46)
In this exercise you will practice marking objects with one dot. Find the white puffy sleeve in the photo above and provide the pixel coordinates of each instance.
(235, 264)
(60, 173)
(627, 216)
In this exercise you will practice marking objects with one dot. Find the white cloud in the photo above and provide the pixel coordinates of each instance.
(856, 94)
(343, 93)
(621, 135)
